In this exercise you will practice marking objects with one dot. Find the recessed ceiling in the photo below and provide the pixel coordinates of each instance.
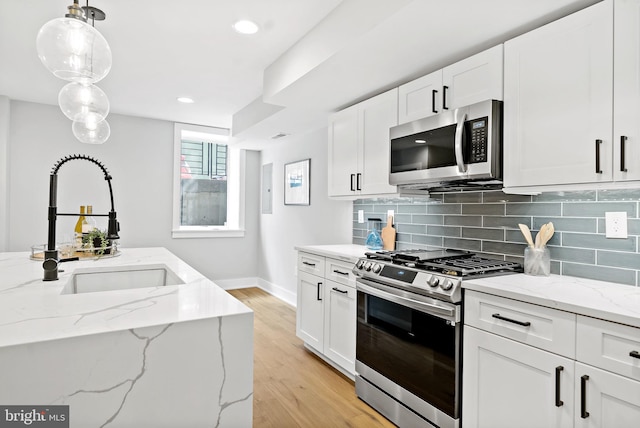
(325, 54)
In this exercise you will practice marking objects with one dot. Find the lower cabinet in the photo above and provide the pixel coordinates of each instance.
(507, 382)
(326, 311)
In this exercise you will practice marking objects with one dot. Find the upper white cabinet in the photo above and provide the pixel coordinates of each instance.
(626, 91)
(469, 81)
(566, 119)
(359, 147)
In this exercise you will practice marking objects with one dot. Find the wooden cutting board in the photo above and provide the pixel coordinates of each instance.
(389, 235)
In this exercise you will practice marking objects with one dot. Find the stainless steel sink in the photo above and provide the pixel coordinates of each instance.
(91, 280)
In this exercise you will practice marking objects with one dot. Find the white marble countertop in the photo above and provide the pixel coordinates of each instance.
(32, 310)
(346, 252)
(597, 299)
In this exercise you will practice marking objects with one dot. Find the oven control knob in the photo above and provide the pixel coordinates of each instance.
(367, 266)
(446, 284)
(433, 281)
(376, 268)
(360, 264)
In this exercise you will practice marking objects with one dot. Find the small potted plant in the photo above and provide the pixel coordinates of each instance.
(97, 240)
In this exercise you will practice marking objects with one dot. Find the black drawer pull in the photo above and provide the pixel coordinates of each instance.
(353, 186)
(444, 98)
(318, 296)
(340, 291)
(634, 354)
(309, 264)
(598, 170)
(623, 140)
(358, 181)
(583, 397)
(340, 272)
(559, 370)
(522, 323)
(433, 101)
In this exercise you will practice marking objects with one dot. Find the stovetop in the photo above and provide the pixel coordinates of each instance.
(436, 273)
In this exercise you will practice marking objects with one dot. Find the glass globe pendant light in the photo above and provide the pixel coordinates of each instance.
(82, 102)
(72, 49)
(91, 132)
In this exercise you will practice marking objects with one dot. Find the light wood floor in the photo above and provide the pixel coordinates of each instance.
(292, 386)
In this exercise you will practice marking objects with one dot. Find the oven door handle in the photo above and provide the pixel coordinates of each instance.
(460, 116)
(428, 308)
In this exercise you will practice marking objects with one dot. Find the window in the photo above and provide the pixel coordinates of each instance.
(207, 196)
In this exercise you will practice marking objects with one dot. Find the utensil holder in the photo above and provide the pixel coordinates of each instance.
(537, 261)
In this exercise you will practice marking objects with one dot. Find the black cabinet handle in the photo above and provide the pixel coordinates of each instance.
(583, 397)
(444, 98)
(559, 370)
(318, 297)
(522, 323)
(598, 170)
(309, 264)
(433, 101)
(634, 354)
(340, 291)
(353, 187)
(623, 140)
(358, 180)
(340, 272)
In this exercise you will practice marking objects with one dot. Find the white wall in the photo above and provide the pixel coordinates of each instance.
(139, 157)
(325, 221)
(4, 173)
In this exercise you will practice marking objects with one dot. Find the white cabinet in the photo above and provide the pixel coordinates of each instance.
(530, 366)
(474, 79)
(570, 105)
(326, 312)
(358, 162)
(626, 91)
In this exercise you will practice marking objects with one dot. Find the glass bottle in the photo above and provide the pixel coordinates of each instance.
(91, 221)
(80, 226)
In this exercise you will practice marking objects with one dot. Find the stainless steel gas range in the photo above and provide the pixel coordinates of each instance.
(408, 346)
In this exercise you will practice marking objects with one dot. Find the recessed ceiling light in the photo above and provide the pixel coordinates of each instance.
(245, 26)
(185, 100)
(421, 141)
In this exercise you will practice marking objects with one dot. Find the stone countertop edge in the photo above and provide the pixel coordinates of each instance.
(346, 252)
(32, 310)
(597, 299)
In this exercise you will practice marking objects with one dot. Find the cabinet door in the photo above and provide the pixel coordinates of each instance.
(558, 101)
(340, 325)
(378, 114)
(626, 87)
(474, 79)
(310, 310)
(420, 98)
(605, 400)
(509, 384)
(343, 152)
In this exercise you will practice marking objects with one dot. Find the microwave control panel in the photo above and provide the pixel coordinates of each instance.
(478, 140)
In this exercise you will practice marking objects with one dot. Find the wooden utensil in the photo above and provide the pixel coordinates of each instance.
(389, 235)
(539, 235)
(548, 234)
(527, 234)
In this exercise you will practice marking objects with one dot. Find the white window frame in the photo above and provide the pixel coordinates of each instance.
(234, 227)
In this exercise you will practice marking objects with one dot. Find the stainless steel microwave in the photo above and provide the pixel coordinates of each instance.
(462, 147)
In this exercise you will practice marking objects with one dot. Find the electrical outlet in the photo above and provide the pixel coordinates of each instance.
(390, 213)
(360, 216)
(615, 224)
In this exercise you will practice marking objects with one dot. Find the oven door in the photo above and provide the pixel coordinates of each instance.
(409, 347)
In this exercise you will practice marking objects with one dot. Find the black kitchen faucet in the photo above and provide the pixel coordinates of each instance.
(51, 259)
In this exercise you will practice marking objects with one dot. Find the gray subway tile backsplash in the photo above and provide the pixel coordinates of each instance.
(487, 223)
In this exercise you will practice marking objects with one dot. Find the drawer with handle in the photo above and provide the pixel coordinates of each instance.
(311, 263)
(340, 271)
(539, 326)
(608, 345)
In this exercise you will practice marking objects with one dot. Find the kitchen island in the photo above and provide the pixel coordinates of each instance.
(162, 356)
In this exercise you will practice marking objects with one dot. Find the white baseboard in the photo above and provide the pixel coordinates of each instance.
(273, 289)
(279, 292)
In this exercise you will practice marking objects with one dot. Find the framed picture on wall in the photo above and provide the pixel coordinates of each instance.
(297, 187)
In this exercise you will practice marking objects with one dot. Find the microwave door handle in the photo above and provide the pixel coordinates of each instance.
(460, 119)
